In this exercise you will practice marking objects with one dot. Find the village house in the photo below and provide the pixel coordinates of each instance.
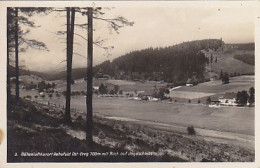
(228, 99)
(189, 83)
(95, 88)
(215, 101)
(148, 95)
(79, 80)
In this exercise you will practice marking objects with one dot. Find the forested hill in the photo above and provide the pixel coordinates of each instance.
(172, 64)
(27, 72)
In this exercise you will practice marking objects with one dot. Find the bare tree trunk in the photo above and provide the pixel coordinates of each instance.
(16, 57)
(68, 90)
(8, 64)
(89, 124)
(70, 37)
(72, 34)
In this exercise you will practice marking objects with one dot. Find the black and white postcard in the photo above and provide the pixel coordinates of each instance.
(129, 82)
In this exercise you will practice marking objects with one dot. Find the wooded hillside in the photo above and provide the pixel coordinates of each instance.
(174, 64)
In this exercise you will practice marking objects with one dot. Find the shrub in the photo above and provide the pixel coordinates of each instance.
(112, 92)
(42, 96)
(208, 100)
(191, 130)
(225, 78)
(57, 95)
(28, 97)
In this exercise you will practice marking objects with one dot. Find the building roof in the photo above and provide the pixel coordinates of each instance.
(229, 95)
(189, 81)
(214, 99)
(148, 92)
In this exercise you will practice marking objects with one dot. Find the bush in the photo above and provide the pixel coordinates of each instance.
(42, 96)
(208, 100)
(225, 78)
(191, 130)
(111, 92)
(28, 97)
(206, 79)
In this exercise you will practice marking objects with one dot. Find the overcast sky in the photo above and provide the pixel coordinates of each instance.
(155, 26)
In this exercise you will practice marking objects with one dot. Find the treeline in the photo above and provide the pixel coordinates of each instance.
(76, 73)
(28, 72)
(246, 46)
(173, 64)
(246, 58)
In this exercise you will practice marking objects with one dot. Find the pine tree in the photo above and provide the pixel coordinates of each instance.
(116, 89)
(251, 98)
(208, 100)
(225, 78)
(242, 98)
(221, 74)
(70, 39)
(16, 40)
(102, 89)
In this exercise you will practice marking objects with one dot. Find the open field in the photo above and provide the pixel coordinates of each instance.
(201, 90)
(231, 123)
(124, 85)
(228, 119)
(214, 88)
(224, 118)
(28, 79)
(227, 63)
(37, 127)
(235, 84)
(189, 94)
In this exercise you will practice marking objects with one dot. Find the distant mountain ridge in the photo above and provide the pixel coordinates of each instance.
(27, 72)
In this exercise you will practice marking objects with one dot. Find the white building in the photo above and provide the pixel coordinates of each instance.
(229, 99)
(189, 84)
(79, 80)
